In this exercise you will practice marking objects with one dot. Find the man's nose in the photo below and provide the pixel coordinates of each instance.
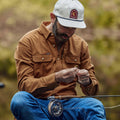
(70, 31)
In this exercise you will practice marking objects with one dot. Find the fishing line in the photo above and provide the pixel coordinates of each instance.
(112, 107)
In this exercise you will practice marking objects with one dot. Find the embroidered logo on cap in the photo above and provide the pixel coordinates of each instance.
(74, 14)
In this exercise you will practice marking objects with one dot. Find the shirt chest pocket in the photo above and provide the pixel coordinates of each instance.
(72, 61)
(42, 65)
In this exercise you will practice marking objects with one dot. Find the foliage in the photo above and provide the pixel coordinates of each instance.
(106, 60)
(7, 65)
(105, 56)
(103, 14)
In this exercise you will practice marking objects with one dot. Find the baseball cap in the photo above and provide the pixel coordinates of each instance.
(70, 13)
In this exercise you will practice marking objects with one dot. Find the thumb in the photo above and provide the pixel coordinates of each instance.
(82, 72)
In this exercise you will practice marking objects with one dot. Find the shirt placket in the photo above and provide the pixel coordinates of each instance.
(58, 55)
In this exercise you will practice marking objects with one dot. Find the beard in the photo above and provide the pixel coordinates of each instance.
(59, 37)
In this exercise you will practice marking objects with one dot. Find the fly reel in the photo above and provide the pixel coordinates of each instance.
(55, 108)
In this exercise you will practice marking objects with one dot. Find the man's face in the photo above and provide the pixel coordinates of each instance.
(62, 34)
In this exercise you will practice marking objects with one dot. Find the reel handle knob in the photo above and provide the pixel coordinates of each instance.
(55, 108)
(2, 85)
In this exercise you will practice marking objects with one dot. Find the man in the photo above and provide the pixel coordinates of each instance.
(50, 61)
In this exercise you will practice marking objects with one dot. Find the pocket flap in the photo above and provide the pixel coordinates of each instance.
(72, 59)
(42, 58)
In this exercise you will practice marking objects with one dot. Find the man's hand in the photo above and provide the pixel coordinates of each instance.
(66, 75)
(83, 77)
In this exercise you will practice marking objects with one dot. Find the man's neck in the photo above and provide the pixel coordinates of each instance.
(59, 44)
(49, 27)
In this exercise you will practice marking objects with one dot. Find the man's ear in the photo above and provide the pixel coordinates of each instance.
(53, 17)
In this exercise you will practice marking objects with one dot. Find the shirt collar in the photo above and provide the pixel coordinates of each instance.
(44, 30)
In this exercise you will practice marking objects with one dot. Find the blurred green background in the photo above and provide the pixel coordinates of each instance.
(102, 34)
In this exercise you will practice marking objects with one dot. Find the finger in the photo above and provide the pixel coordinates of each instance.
(69, 75)
(70, 71)
(68, 80)
(84, 80)
(82, 72)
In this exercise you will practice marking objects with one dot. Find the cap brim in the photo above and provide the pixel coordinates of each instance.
(72, 23)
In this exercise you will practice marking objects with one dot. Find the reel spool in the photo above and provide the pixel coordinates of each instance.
(55, 108)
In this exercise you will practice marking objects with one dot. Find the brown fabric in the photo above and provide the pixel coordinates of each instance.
(37, 60)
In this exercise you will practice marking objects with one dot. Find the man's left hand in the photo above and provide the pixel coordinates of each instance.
(83, 77)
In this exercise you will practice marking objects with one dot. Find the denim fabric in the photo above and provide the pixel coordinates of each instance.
(24, 106)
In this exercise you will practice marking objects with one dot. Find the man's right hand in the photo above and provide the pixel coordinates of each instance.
(66, 75)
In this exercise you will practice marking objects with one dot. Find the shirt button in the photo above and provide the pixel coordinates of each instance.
(43, 58)
(75, 60)
(53, 45)
(58, 58)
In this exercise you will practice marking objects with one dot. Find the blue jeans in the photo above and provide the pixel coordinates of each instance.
(24, 106)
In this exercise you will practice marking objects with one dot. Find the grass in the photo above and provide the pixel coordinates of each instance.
(6, 94)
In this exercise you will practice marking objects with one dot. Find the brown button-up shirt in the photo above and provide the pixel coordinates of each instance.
(37, 60)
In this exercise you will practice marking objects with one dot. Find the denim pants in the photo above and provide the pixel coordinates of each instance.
(24, 106)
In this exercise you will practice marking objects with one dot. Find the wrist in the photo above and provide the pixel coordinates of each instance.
(90, 81)
(56, 77)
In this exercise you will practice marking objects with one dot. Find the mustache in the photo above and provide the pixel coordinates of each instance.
(64, 35)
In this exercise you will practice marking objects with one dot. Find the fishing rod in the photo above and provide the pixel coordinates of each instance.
(55, 107)
(74, 96)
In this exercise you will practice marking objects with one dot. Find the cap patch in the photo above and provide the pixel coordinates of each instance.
(74, 14)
